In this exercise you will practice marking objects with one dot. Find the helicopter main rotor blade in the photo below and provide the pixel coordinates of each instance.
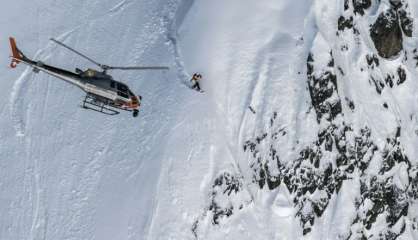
(138, 68)
(106, 67)
(80, 54)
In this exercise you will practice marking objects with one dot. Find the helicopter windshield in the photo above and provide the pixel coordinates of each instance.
(122, 87)
(123, 90)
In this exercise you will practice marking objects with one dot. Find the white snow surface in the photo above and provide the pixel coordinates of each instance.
(67, 173)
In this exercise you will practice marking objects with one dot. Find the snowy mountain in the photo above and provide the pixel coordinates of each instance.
(308, 127)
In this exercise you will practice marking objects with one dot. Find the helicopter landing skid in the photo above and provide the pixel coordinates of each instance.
(92, 103)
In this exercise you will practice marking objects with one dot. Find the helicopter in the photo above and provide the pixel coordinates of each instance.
(103, 93)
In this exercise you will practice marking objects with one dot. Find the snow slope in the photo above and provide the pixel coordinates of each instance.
(204, 166)
(71, 174)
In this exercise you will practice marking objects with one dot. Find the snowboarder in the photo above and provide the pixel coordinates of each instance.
(195, 81)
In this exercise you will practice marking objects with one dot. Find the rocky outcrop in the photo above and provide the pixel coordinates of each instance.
(387, 34)
(226, 184)
(385, 196)
(323, 89)
(345, 23)
(227, 196)
(389, 29)
(392, 78)
(313, 179)
(361, 5)
(406, 22)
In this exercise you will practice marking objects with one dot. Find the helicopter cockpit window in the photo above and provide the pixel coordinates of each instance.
(122, 87)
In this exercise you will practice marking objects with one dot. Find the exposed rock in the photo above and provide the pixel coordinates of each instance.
(350, 103)
(389, 80)
(226, 184)
(381, 196)
(310, 173)
(346, 5)
(379, 85)
(401, 75)
(396, 4)
(344, 23)
(406, 23)
(413, 186)
(387, 34)
(227, 196)
(322, 90)
(361, 5)
(386, 198)
(415, 57)
(372, 61)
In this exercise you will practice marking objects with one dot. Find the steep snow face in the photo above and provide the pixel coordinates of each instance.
(307, 129)
(322, 101)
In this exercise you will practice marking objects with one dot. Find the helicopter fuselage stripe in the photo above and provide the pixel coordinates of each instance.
(89, 88)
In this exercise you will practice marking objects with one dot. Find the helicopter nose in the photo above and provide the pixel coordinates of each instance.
(135, 101)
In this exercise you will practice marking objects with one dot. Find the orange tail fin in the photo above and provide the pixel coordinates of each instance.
(16, 54)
